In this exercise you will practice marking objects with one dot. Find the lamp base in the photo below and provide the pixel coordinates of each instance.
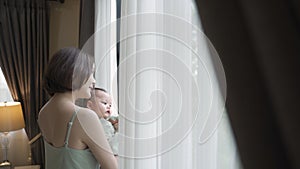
(5, 163)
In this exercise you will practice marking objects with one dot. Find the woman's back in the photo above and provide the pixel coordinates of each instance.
(53, 121)
(61, 157)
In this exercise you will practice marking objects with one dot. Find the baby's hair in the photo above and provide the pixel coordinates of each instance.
(83, 102)
(93, 92)
(101, 89)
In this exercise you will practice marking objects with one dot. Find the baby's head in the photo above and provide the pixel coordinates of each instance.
(100, 103)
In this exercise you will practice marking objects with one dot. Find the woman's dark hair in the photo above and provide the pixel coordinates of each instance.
(67, 70)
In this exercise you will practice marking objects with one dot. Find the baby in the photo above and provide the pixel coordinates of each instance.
(100, 102)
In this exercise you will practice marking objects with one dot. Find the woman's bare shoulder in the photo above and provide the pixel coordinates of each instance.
(87, 114)
(89, 123)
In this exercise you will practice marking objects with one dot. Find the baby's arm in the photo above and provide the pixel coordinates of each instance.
(111, 135)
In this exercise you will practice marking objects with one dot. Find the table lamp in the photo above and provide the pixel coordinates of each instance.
(11, 118)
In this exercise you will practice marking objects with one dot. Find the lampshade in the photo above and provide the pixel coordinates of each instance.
(11, 116)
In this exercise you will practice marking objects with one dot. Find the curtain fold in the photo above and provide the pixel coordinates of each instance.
(23, 57)
(105, 40)
(259, 45)
(87, 21)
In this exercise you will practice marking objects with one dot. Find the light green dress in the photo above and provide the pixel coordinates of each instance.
(68, 158)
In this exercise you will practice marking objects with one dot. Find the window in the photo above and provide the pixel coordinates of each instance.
(5, 93)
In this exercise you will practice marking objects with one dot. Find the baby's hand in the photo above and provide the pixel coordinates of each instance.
(115, 122)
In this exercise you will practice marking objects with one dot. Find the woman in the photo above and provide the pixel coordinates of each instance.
(73, 136)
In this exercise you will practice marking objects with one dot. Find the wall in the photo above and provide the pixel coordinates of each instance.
(64, 25)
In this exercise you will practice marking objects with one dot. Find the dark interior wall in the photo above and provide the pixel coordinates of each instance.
(258, 43)
(64, 25)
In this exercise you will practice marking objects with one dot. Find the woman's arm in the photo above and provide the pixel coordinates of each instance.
(94, 137)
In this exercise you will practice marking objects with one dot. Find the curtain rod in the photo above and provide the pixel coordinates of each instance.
(61, 1)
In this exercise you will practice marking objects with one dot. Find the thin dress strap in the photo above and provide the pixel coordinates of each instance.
(69, 128)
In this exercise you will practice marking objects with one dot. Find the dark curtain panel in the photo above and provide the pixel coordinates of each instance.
(259, 45)
(86, 30)
(87, 21)
(23, 56)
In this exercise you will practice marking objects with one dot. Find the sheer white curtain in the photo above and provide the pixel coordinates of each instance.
(103, 42)
(105, 38)
(172, 90)
(171, 86)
